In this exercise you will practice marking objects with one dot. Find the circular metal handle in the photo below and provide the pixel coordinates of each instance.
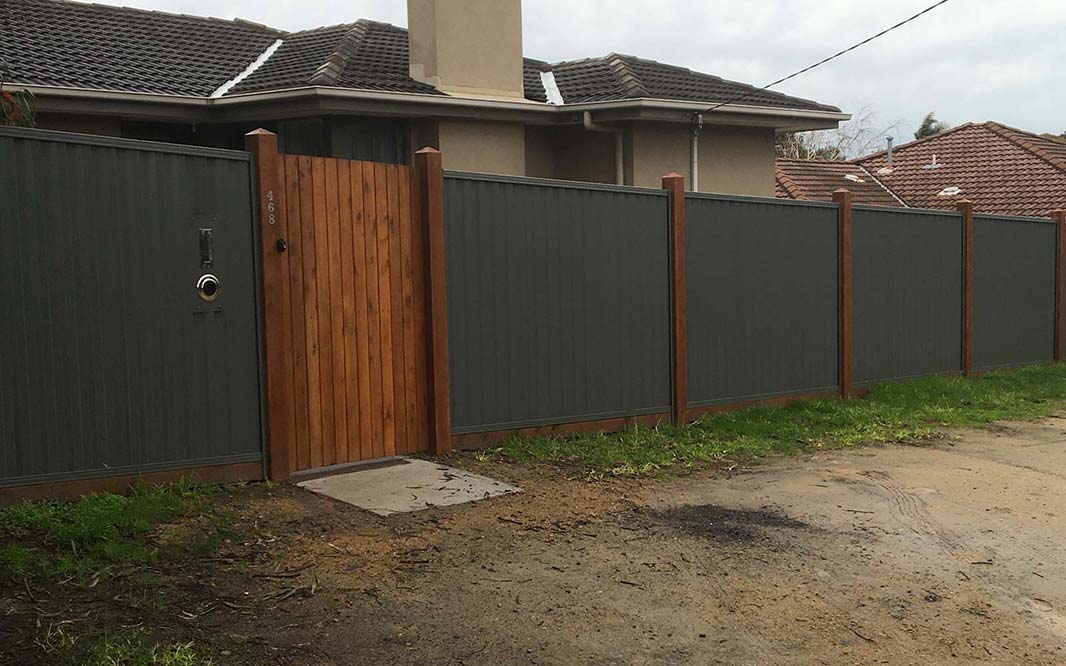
(208, 287)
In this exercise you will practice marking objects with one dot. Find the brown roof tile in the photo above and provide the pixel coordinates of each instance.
(1002, 170)
(816, 180)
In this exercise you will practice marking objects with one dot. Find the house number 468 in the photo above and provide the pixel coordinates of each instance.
(272, 216)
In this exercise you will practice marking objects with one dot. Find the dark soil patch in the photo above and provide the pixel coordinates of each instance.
(730, 526)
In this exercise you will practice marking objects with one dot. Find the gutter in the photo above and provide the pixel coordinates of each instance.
(439, 101)
(619, 146)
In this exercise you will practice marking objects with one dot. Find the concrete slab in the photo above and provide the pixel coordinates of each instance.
(408, 484)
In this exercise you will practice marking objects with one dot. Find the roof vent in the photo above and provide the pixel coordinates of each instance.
(934, 164)
(853, 178)
(887, 169)
(949, 192)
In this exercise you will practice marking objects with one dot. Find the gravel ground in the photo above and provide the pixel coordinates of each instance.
(952, 552)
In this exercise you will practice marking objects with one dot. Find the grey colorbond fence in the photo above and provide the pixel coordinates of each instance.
(112, 364)
(558, 302)
(1014, 291)
(561, 302)
(908, 293)
(762, 294)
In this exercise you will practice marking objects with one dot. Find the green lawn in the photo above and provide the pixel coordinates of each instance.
(104, 550)
(892, 412)
(95, 535)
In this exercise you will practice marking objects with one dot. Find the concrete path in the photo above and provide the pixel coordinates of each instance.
(408, 484)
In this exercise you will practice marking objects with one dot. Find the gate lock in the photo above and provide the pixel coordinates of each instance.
(208, 287)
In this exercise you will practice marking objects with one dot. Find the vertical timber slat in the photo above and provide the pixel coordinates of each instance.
(324, 340)
(431, 183)
(375, 446)
(338, 446)
(276, 306)
(363, 449)
(1060, 271)
(418, 266)
(350, 446)
(388, 384)
(965, 209)
(842, 198)
(407, 283)
(396, 298)
(311, 315)
(675, 184)
(297, 327)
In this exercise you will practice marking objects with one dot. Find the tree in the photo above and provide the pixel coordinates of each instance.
(853, 138)
(930, 126)
(16, 108)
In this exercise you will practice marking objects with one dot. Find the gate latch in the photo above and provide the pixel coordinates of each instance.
(207, 248)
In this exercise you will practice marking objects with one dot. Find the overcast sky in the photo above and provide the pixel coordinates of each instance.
(969, 60)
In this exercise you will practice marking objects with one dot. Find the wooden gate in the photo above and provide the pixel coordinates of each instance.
(347, 312)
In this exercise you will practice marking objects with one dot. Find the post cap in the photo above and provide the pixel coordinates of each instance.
(428, 150)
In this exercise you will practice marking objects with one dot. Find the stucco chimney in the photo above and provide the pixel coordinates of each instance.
(467, 47)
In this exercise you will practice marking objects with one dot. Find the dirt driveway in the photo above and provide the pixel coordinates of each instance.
(948, 553)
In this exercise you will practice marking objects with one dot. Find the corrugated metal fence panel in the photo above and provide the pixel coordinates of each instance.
(1014, 291)
(762, 298)
(907, 303)
(558, 302)
(112, 364)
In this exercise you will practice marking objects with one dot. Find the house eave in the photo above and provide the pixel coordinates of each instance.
(311, 100)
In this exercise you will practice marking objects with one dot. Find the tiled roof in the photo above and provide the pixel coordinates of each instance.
(663, 81)
(619, 77)
(365, 55)
(69, 44)
(816, 180)
(1000, 169)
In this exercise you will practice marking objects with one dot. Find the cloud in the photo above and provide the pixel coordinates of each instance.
(967, 60)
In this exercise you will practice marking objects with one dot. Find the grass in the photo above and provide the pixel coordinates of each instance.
(131, 647)
(892, 412)
(86, 538)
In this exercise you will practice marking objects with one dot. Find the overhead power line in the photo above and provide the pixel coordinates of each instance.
(825, 60)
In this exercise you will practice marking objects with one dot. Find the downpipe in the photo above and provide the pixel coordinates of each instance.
(694, 152)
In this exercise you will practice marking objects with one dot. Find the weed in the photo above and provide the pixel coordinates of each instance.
(892, 412)
(89, 535)
(127, 648)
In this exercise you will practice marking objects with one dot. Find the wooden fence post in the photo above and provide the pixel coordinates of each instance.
(842, 197)
(675, 185)
(1060, 292)
(274, 280)
(430, 176)
(965, 209)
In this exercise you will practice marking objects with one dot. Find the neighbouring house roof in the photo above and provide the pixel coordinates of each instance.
(1000, 169)
(816, 180)
(73, 45)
